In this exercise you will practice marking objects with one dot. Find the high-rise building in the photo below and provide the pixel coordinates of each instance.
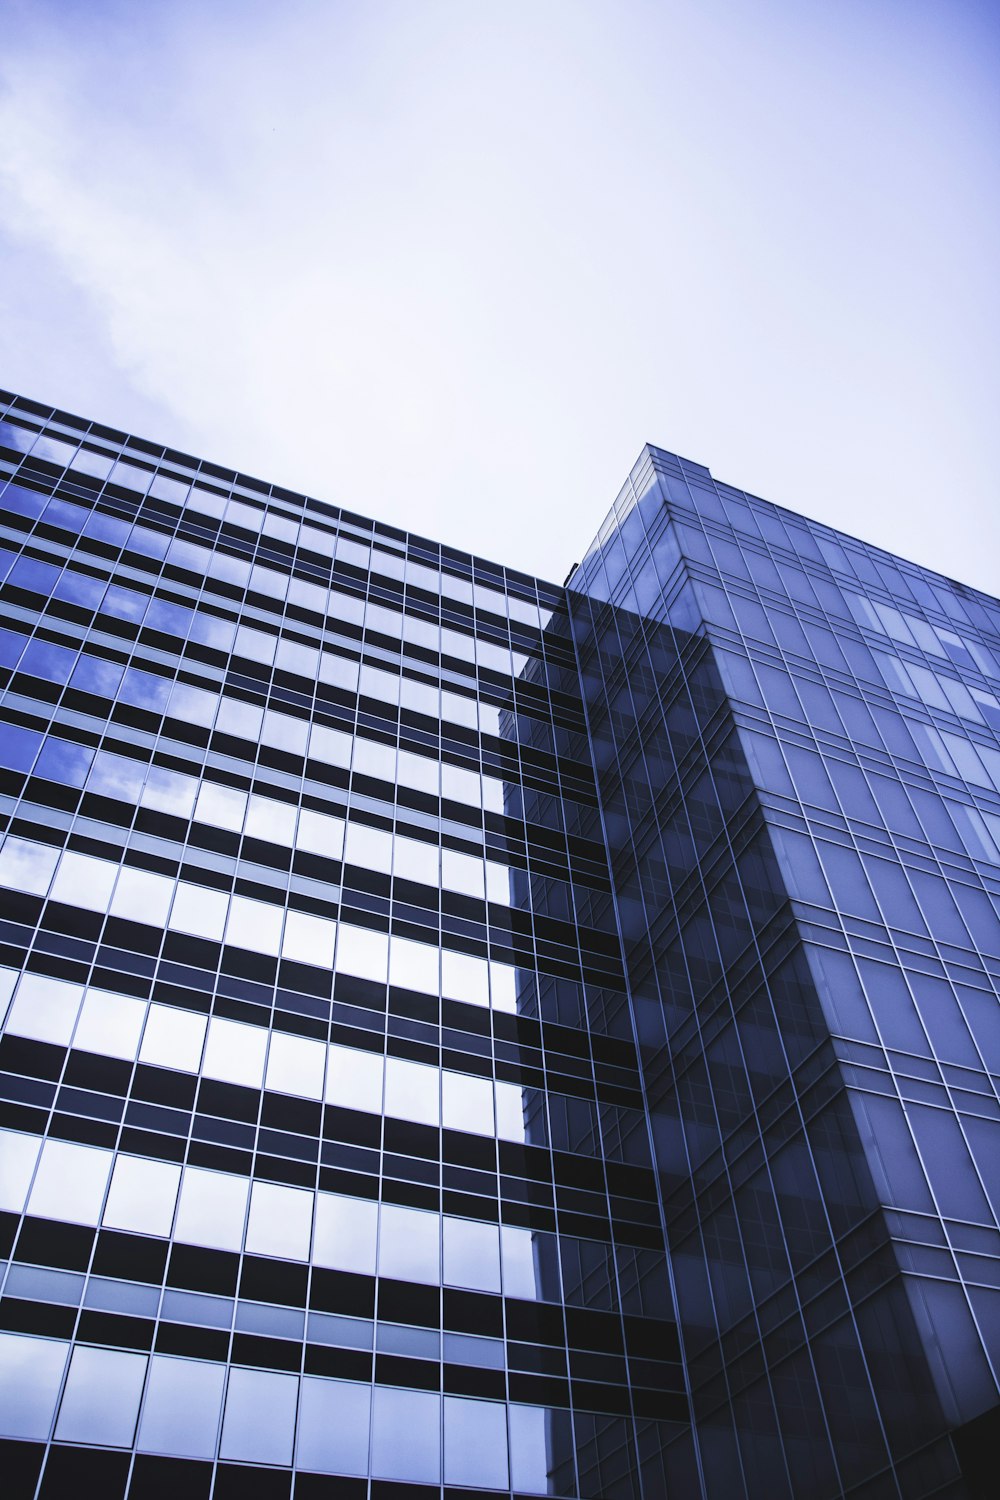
(467, 1036)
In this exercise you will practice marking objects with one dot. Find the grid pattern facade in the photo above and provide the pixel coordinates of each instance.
(465, 1036)
(797, 742)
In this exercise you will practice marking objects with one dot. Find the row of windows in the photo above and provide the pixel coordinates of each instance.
(100, 885)
(789, 692)
(68, 758)
(220, 806)
(243, 720)
(347, 542)
(858, 723)
(137, 607)
(105, 1023)
(910, 630)
(78, 1184)
(193, 1408)
(258, 642)
(795, 542)
(256, 926)
(228, 571)
(138, 1299)
(202, 1207)
(115, 1025)
(871, 802)
(260, 647)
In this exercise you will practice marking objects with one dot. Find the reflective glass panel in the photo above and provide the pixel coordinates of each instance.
(259, 1423)
(101, 1400)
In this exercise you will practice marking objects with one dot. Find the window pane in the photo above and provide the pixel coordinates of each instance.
(460, 785)
(169, 792)
(510, 1111)
(419, 771)
(84, 882)
(173, 1038)
(255, 644)
(411, 1091)
(25, 866)
(235, 1053)
(31, 1372)
(64, 762)
(346, 1231)
(271, 820)
(242, 720)
(280, 1221)
(541, 1450)
(199, 911)
(212, 1209)
(318, 833)
(110, 1024)
(295, 1065)
(462, 873)
(101, 1400)
(260, 1417)
(220, 806)
(406, 1435)
(45, 1009)
(409, 1244)
(332, 746)
(471, 1254)
(465, 978)
(503, 981)
(354, 1079)
(142, 1195)
(371, 848)
(475, 1442)
(530, 1264)
(141, 896)
(334, 1423)
(18, 1155)
(414, 966)
(70, 1183)
(284, 732)
(254, 925)
(467, 1103)
(413, 860)
(308, 939)
(363, 952)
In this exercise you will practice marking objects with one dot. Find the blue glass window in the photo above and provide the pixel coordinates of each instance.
(406, 1435)
(12, 643)
(145, 690)
(37, 577)
(21, 501)
(31, 1372)
(18, 747)
(79, 588)
(181, 1412)
(101, 1400)
(333, 1428)
(94, 675)
(125, 604)
(43, 659)
(62, 761)
(260, 1417)
(475, 1443)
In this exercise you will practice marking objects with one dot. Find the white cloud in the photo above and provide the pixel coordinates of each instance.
(451, 265)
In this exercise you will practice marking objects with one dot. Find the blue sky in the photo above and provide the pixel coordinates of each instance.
(451, 265)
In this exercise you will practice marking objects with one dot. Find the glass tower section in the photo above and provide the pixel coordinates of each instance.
(796, 743)
(325, 1153)
(465, 1036)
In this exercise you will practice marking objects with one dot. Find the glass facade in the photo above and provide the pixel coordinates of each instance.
(465, 1036)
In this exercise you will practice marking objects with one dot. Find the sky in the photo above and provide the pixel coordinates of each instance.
(451, 265)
